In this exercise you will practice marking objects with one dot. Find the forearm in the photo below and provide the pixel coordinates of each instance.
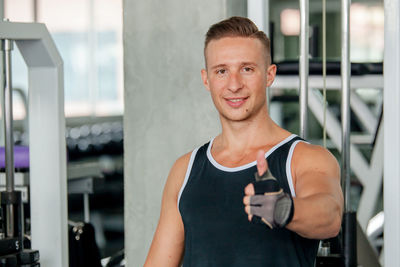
(168, 242)
(318, 216)
(163, 257)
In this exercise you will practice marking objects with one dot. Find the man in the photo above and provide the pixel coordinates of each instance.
(298, 198)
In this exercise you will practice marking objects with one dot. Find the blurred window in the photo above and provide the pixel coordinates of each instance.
(366, 30)
(366, 33)
(88, 35)
(290, 22)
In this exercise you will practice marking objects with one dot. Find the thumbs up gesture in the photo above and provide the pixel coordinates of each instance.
(265, 201)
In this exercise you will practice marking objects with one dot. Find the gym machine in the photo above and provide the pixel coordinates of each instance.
(347, 255)
(47, 148)
(12, 251)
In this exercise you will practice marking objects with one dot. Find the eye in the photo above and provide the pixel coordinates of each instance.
(221, 71)
(247, 69)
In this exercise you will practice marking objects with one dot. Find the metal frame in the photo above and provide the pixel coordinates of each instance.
(362, 111)
(370, 173)
(392, 133)
(48, 182)
(387, 142)
(332, 82)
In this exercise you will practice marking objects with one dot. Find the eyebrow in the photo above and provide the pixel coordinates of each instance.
(218, 66)
(248, 63)
(225, 65)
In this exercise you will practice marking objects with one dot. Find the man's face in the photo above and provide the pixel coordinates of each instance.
(237, 76)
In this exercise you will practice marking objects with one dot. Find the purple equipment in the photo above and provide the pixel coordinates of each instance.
(21, 157)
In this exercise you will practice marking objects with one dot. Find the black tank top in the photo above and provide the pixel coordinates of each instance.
(217, 232)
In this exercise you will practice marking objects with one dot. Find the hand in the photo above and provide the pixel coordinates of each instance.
(265, 200)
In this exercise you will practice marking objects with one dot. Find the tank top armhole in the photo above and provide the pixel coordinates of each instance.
(289, 167)
(188, 170)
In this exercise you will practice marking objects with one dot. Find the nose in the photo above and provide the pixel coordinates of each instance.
(235, 82)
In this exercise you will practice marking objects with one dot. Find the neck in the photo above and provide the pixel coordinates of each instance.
(254, 132)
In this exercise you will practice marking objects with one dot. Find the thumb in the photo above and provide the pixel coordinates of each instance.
(262, 164)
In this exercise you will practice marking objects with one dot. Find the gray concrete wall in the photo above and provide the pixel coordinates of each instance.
(167, 110)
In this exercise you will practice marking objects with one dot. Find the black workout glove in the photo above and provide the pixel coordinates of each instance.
(270, 205)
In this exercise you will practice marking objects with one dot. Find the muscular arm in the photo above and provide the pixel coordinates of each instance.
(318, 203)
(168, 242)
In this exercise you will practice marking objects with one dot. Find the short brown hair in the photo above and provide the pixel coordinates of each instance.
(237, 27)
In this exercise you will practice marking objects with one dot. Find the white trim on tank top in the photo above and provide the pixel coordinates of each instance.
(248, 165)
(188, 171)
(239, 168)
(289, 167)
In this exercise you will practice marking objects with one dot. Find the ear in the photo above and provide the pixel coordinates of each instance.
(204, 77)
(271, 73)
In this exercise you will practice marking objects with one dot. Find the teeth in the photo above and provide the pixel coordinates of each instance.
(235, 100)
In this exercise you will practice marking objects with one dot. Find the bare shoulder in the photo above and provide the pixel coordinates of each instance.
(309, 157)
(177, 175)
(315, 170)
(181, 164)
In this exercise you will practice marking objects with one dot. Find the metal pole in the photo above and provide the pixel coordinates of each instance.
(391, 133)
(7, 46)
(35, 10)
(303, 65)
(86, 208)
(345, 73)
(1, 73)
(349, 217)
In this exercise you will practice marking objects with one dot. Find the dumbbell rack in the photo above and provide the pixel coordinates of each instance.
(47, 148)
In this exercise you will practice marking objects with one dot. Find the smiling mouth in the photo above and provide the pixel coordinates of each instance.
(236, 102)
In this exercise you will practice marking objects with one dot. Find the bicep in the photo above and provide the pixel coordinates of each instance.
(319, 201)
(317, 172)
(168, 242)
